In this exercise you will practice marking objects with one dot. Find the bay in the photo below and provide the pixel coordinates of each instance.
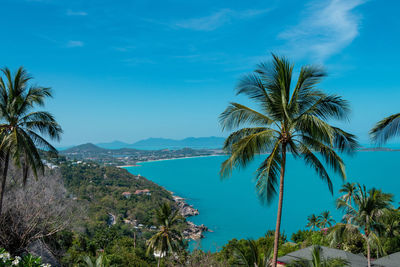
(231, 209)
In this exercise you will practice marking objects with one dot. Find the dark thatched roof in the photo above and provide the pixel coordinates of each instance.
(327, 253)
(392, 260)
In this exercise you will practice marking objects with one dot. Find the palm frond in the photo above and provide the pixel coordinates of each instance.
(34, 96)
(329, 155)
(267, 175)
(305, 92)
(315, 128)
(385, 129)
(42, 122)
(244, 150)
(344, 141)
(236, 115)
(276, 78)
(252, 86)
(316, 164)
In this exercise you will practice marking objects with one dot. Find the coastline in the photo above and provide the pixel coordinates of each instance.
(156, 160)
(193, 231)
(192, 157)
(127, 166)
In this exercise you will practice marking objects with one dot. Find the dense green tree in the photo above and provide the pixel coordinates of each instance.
(390, 223)
(125, 252)
(168, 240)
(388, 230)
(365, 214)
(255, 256)
(290, 119)
(229, 252)
(385, 129)
(22, 127)
(301, 235)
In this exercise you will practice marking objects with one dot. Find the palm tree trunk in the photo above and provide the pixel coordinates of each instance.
(367, 238)
(280, 202)
(3, 180)
(159, 261)
(368, 247)
(368, 253)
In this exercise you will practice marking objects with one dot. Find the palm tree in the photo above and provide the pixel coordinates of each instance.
(255, 257)
(348, 190)
(390, 223)
(168, 239)
(325, 219)
(385, 129)
(287, 121)
(317, 260)
(22, 127)
(366, 213)
(313, 221)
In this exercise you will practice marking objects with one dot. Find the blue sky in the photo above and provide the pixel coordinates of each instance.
(128, 70)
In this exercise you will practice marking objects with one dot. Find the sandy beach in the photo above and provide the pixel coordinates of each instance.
(136, 165)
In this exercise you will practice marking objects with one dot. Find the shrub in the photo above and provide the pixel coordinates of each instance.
(27, 260)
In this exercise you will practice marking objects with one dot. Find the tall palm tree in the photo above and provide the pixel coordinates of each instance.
(22, 126)
(348, 190)
(256, 256)
(385, 129)
(168, 239)
(325, 219)
(289, 120)
(313, 221)
(366, 213)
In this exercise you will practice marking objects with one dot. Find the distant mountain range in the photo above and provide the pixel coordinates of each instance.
(113, 145)
(164, 143)
(161, 143)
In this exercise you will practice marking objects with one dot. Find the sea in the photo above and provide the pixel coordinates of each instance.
(231, 209)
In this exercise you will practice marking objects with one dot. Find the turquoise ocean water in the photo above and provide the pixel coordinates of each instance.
(231, 208)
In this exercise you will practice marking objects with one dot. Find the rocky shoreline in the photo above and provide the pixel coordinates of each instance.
(194, 232)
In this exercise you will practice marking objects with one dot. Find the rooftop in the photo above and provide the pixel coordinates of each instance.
(392, 260)
(138, 192)
(305, 253)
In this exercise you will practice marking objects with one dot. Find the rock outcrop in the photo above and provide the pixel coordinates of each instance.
(185, 209)
(193, 231)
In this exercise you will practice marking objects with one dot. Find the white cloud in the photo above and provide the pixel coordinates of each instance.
(327, 28)
(76, 13)
(72, 43)
(217, 19)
